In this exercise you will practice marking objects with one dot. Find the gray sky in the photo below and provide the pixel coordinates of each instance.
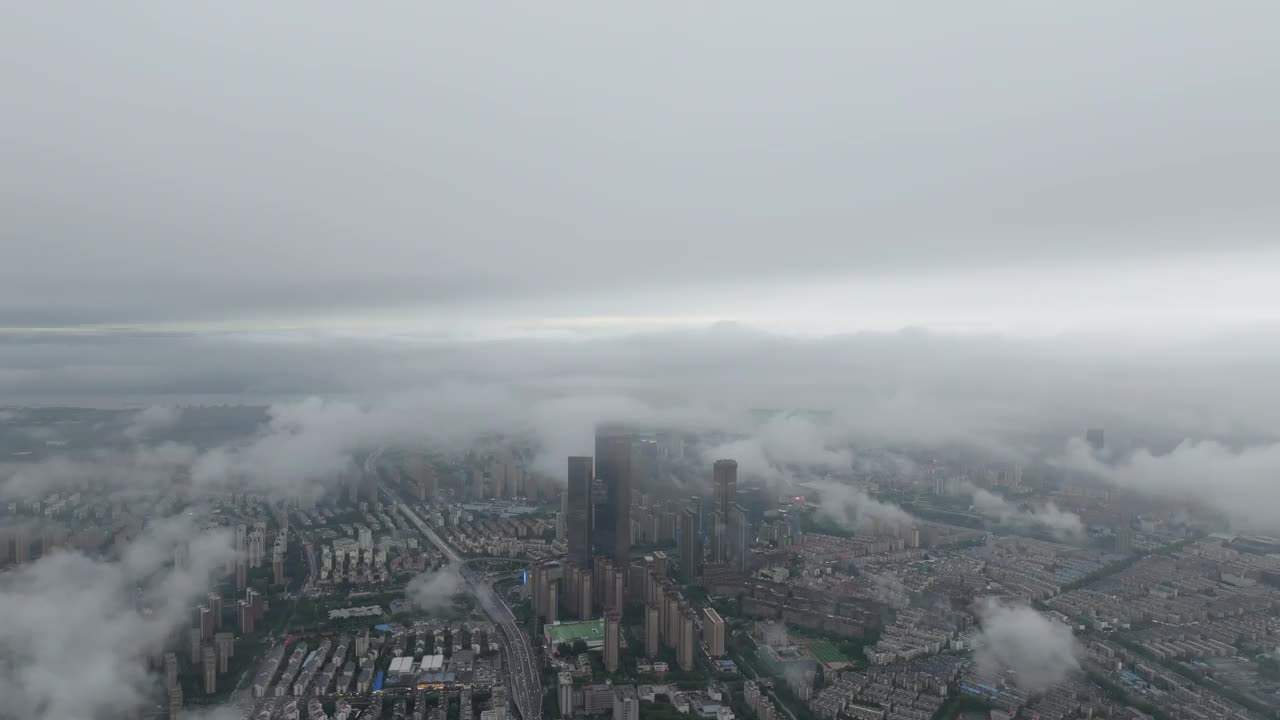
(1016, 167)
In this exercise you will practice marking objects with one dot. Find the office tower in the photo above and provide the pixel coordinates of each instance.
(215, 607)
(652, 631)
(719, 538)
(584, 594)
(538, 593)
(690, 546)
(224, 645)
(553, 601)
(684, 654)
(612, 639)
(1096, 439)
(739, 538)
(277, 569)
(572, 580)
(578, 511)
(194, 643)
(725, 479)
(611, 534)
(713, 632)
(170, 670)
(644, 465)
(562, 517)
(256, 603)
(564, 694)
(175, 703)
(209, 665)
(369, 488)
(244, 617)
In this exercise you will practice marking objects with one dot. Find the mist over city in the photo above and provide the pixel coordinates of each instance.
(844, 361)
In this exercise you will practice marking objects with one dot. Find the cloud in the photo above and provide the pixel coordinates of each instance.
(1066, 525)
(888, 589)
(434, 590)
(1040, 651)
(152, 420)
(104, 618)
(850, 507)
(1240, 482)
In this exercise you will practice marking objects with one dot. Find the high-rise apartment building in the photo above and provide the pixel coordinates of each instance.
(713, 632)
(215, 608)
(612, 640)
(652, 631)
(209, 667)
(684, 649)
(224, 645)
(578, 511)
(690, 546)
(170, 670)
(585, 607)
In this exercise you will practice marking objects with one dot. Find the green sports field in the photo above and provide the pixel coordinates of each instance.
(828, 653)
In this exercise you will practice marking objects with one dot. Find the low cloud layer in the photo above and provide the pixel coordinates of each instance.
(1240, 482)
(852, 508)
(103, 619)
(1047, 515)
(1040, 651)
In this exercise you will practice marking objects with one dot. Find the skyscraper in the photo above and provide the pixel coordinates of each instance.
(690, 546)
(725, 480)
(578, 511)
(1096, 438)
(611, 535)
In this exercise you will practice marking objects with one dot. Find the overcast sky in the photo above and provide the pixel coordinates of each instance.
(1022, 167)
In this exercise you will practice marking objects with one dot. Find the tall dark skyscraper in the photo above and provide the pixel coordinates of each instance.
(611, 535)
(578, 513)
(690, 545)
(1096, 438)
(725, 477)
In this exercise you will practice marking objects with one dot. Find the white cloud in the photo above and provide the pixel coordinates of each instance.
(1040, 651)
(102, 618)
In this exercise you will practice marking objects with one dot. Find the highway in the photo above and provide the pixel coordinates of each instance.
(526, 681)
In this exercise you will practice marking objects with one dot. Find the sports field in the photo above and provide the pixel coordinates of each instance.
(828, 653)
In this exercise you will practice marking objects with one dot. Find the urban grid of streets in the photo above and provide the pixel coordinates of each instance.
(526, 683)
